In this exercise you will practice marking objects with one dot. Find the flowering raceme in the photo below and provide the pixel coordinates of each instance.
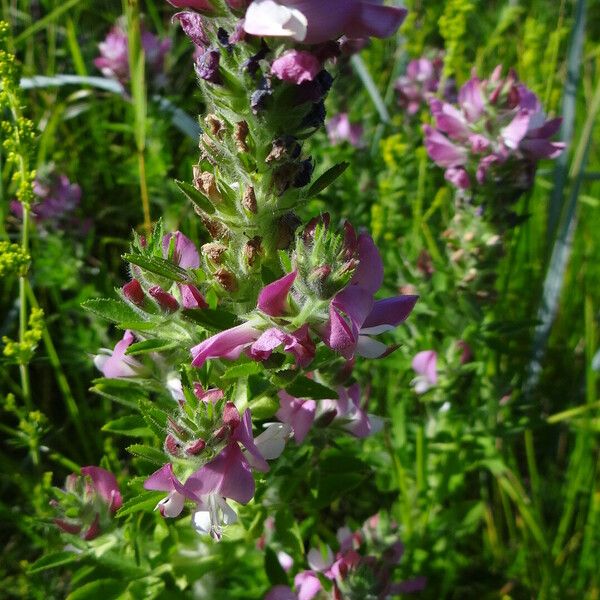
(495, 134)
(420, 82)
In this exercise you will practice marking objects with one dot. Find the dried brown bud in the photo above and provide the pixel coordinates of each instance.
(458, 255)
(215, 229)
(214, 251)
(215, 125)
(408, 289)
(240, 135)
(226, 279)
(469, 236)
(252, 250)
(286, 228)
(206, 183)
(249, 200)
(471, 275)
(284, 147)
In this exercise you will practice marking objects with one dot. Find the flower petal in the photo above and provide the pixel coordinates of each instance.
(272, 299)
(388, 313)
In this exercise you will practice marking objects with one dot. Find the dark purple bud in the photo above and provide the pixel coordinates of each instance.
(164, 299)
(306, 170)
(191, 23)
(94, 529)
(195, 447)
(133, 292)
(309, 231)
(67, 527)
(207, 66)
(259, 97)
(172, 446)
(252, 64)
(316, 116)
(223, 38)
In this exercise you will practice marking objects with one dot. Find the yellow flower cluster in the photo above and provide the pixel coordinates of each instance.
(21, 352)
(13, 260)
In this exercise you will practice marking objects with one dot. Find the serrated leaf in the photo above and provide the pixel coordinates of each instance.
(145, 502)
(155, 418)
(215, 320)
(158, 266)
(132, 425)
(195, 197)
(150, 346)
(147, 453)
(244, 370)
(327, 179)
(56, 559)
(111, 310)
(303, 387)
(124, 391)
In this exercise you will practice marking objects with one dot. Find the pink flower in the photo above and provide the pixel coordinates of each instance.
(181, 250)
(340, 129)
(114, 53)
(298, 413)
(421, 80)
(117, 364)
(105, 485)
(296, 66)
(425, 366)
(311, 21)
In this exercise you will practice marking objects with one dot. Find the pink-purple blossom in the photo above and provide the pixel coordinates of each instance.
(422, 79)
(315, 21)
(116, 364)
(496, 132)
(114, 53)
(341, 129)
(296, 66)
(424, 365)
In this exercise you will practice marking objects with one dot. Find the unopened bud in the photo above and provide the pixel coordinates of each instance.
(457, 255)
(249, 200)
(195, 447)
(286, 229)
(165, 300)
(321, 273)
(226, 279)
(206, 183)
(94, 529)
(285, 146)
(215, 229)
(240, 135)
(133, 292)
(214, 251)
(214, 124)
(172, 446)
(471, 275)
(252, 250)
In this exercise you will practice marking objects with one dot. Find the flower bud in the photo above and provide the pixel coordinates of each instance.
(165, 300)
(214, 124)
(240, 135)
(249, 200)
(172, 445)
(252, 250)
(191, 297)
(206, 183)
(207, 66)
(214, 251)
(226, 279)
(133, 292)
(195, 447)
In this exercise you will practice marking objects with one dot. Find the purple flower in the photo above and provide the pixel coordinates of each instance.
(58, 198)
(298, 413)
(184, 253)
(311, 21)
(354, 315)
(105, 485)
(424, 365)
(496, 130)
(421, 80)
(207, 66)
(191, 23)
(340, 129)
(297, 343)
(117, 364)
(228, 344)
(114, 53)
(296, 66)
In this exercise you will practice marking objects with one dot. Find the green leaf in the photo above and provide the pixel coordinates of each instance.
(158, 266)
(325, 180)
(243, 370)
(56, 559)
(195, 197)
(273, 568)
(124, 391)
(100, 589)
(215, 320)
(111, 310)
(303, 387)
(150, 346)
(155, 418)
(145, 502)
(147, 453)
(133, 425)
